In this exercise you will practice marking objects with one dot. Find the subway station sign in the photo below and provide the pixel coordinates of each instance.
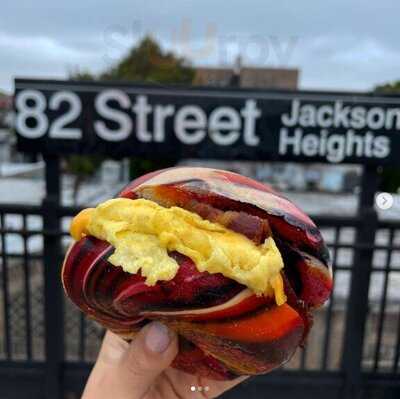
(123, 120)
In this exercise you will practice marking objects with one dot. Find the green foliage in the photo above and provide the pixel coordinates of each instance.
(84, 166)
(147, 62)
(390, 176)
(389, 88)
(4, 111)
(82, 75)
(141, 166)
(390, 179)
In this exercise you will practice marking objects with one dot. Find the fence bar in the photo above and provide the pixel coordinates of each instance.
(27, 291)
(328, 316)
(57, 372)
(357, 309)
(395, 366)
(382, 306)
(6, 293)
(303, 358)
(82, 336)
(53, 297)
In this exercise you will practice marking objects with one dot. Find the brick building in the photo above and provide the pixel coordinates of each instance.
(251, 77)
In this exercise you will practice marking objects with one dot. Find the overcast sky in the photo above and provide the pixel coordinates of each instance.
(341, 44)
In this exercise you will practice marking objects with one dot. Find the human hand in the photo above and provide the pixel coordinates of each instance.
(140, 370)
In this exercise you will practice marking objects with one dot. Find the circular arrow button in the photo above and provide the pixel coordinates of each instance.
(384, 201)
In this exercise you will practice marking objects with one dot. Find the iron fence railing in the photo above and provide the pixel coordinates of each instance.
(43, 339)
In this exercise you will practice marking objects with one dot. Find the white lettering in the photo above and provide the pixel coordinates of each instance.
(341, 115)
(31, 104)
(119, 117)
(307, 116)
(324, 116)
(190, 117)
(224, 118)
(161, 113)
(322, 142)
(368, 141)
(358, 117)
(354, 140)
(309, 145)
(381, 147)
(376, 118)
(335, 148)
(285, 141)
(142, 109)
(392, 118)
(250, 113)
(292, 118)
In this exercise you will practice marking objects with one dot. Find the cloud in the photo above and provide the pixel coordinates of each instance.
(345, 62)
(337, 45)
(40, 57)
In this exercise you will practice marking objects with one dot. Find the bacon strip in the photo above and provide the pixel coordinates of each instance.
(253, 227)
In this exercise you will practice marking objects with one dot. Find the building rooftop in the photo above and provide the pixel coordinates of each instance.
(251, 77)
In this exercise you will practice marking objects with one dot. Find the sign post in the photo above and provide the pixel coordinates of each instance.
(53, 295)
(360, 281)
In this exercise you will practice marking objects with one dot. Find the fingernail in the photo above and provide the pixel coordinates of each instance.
(157, 337)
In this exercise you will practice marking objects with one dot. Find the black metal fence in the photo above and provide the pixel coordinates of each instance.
(47, 346)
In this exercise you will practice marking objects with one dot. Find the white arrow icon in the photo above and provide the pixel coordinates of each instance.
(384, 201)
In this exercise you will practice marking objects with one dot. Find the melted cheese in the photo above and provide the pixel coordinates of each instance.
(143, 232)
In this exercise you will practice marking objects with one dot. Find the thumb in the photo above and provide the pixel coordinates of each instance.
(128, 371)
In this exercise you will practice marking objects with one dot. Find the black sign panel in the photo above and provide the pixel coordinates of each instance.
(119, 120)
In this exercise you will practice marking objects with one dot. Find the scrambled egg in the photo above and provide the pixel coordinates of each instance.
(143, 232)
